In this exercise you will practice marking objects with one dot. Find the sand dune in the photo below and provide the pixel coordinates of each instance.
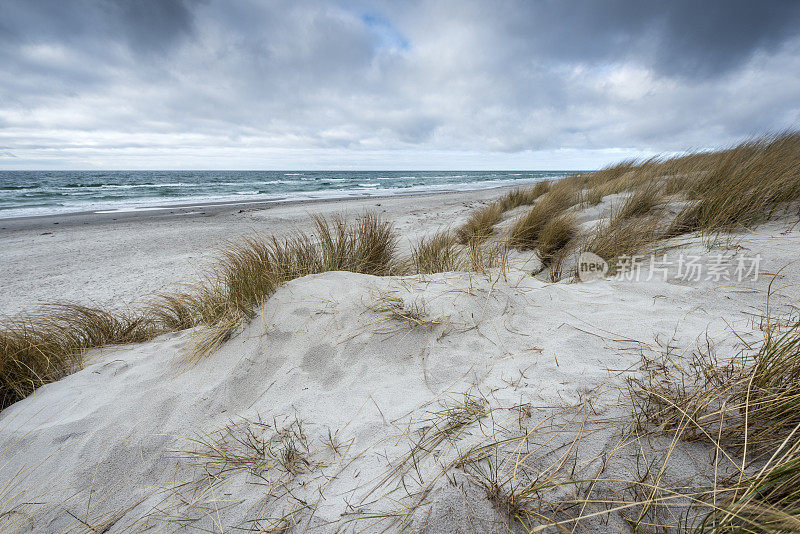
(360, 403)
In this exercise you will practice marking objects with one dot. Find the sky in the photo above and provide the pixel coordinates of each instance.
(449, 84)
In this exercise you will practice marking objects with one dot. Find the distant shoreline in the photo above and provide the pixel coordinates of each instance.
(37, 194)
(204, 209)
(111, 259)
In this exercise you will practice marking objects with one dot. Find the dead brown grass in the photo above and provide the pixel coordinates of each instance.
(555, 235)
(480, 224)
(436, 254)
(748, 409)
(43, 347)
(525, 232)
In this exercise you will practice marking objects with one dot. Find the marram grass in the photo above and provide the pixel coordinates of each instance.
(725, 190)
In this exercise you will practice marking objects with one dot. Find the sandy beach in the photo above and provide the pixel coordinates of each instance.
(359, 267)
(136, 253)
(361, 403)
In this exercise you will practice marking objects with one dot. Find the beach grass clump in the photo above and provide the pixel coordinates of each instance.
(621, 237)
(524, 196)
(250, 270)
(748, 409)
(480, 258)
(40, 348)
(746, 185)
(480, 224)
(555, 235)
(525, 232)
(193, 305)
(436, 254)
(593, 197)
(176, 311)
(641, 202)
(727, 190)
(614, 178)
(611, 172)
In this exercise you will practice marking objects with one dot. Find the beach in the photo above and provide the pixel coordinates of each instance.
(364, 267)
(435, 363)
(111, 259)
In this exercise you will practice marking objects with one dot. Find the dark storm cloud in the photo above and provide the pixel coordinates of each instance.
(93, 81)
(678, 37)
(144, 25)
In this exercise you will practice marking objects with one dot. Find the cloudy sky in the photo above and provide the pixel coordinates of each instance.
(450, 84)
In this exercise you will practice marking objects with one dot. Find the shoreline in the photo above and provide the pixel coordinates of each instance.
(208, 209)
(112, 260)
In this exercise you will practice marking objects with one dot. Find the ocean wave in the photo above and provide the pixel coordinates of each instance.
(17, 188)
(45, 195)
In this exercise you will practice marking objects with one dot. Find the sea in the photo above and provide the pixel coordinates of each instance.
(34, 193)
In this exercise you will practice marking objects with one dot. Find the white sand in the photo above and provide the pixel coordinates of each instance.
(109, 448)
(113, 262)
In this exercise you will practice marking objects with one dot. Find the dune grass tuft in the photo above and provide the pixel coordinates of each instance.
(252, 269)
(726, 190)
(619, 237)
(641, 202)
(41, 348)
(748, 184)
(593, 197)
(480, 224)
(524, 196)
(748, 409)
(555, 235)
(524, 234)
(436, 254)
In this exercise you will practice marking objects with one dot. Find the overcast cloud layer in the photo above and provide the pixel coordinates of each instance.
(440, 84)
